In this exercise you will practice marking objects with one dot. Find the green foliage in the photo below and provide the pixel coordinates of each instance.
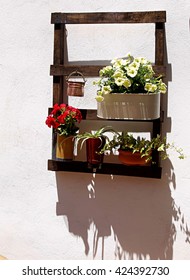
(100, 133)
(128, 142)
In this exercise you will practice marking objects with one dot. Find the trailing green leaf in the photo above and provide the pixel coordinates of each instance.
(128, 142)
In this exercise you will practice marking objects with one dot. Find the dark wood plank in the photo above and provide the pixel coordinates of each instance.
(155, 132)
(89, 114)
(57, 89)
(117, 17)
(58, 58)
(87, 70)
(159, 43)
(57, 55)
(107, 168)
(90, 70)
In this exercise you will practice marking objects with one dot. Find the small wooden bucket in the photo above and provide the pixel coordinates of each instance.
(75, 88)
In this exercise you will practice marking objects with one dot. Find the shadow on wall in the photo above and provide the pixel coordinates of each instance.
(139, 213)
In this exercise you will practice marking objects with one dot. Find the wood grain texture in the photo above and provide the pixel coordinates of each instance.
(159, 43)
(107, 168)
(90, 70)
(96, 18)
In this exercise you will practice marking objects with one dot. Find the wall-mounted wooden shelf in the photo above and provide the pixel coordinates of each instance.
(107, 168)
(60, 69)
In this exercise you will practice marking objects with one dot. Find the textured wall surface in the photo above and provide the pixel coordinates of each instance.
(101, 217)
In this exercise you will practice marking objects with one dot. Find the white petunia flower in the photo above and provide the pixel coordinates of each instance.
(163, 88)
(127, 83)
(105, 70)
(135, 65)
(118, 74)
(131, 72)
(99, 98)
(150, 87)
(106, 89)
(119, 81)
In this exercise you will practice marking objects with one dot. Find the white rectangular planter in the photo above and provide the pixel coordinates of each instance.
(129, 106)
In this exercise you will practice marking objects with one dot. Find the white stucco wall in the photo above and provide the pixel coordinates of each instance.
(101, 216)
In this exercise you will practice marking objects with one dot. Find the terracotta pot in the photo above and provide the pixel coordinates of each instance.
(129, 158)
(93, 146)
(129, 106)
(64, 147)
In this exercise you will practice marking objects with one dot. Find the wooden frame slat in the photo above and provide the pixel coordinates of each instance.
(90, 70)
(118, 17)
(159, 43)
(58, 58)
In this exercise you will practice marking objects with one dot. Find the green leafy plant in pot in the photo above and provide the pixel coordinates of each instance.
(139, 151)
(95, 142)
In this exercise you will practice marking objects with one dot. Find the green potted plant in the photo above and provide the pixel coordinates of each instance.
(95, 142)
(63, 120)
(129, 89)
(139, 151)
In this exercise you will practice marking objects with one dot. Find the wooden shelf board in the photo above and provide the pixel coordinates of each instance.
(91, 114)
(91, 70)
(107, 168)
(110, 17)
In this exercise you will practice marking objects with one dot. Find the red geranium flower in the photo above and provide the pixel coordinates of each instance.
(63, 119)
(56, 109)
